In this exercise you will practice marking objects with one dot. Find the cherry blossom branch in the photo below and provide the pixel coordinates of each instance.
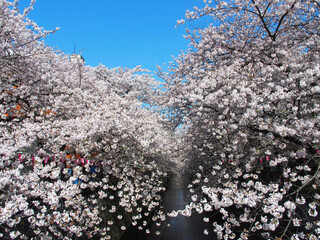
(263, 21)
(282, 18)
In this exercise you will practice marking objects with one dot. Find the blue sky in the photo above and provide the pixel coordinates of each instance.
(115, 33)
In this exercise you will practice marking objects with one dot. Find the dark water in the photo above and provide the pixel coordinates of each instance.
(181, 227)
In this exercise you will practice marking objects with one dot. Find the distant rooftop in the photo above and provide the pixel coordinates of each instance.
(76, 58)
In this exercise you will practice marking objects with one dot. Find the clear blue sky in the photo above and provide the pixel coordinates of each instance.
(115, 33)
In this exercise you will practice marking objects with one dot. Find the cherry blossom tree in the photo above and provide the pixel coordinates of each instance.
(247, 94)
(83, 157)
(77, 160)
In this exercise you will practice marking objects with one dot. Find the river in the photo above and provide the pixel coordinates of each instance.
(181, 227)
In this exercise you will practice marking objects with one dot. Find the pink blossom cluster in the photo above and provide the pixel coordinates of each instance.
(48, 103)
(246, 96)
(240, 108)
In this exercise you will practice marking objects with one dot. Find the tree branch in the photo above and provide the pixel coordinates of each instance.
(263, 21)
(282, 18)
(288, 138)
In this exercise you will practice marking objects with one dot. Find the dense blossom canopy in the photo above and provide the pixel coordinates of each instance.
(86, 151)
(80, 155)
(248, 93)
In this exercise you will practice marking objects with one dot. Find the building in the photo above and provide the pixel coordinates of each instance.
(76, 58)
